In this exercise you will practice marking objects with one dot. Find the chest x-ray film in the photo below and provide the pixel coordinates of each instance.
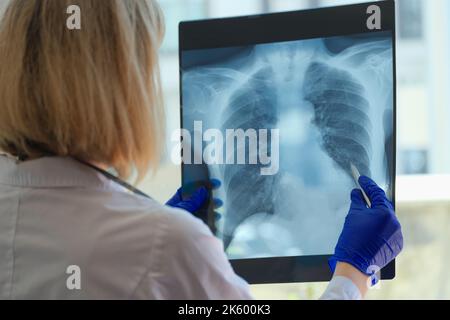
(305, 111)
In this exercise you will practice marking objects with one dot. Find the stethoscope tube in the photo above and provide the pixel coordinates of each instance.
(115, 179)
(106, 174)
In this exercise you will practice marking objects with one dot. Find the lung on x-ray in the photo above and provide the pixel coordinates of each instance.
(332, 101)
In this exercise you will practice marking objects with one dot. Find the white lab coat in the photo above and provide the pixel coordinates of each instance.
(56, 213)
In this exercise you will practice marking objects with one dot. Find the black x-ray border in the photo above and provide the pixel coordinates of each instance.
(279, 27)
(284, 26)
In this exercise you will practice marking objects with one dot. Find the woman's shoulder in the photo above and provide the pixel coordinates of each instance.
(171, 222)
(182, 257)
(147, 228)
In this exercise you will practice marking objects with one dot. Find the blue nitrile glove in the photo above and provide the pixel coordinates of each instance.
(371, 237)
(192, 204)
(196, 201)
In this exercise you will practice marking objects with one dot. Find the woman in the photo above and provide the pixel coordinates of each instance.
(76, 102)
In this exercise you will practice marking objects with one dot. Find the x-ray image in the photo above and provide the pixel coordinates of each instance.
(332, 101)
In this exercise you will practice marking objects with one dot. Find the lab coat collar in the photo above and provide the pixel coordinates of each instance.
(51, 172)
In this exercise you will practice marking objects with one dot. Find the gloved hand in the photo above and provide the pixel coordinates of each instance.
(191, 204)
(196, 201)
(371, 237)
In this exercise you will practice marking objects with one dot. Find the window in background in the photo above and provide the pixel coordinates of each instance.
(227, 8)
(409, 11)
(412, 68)
(287, 5)
(175, 11)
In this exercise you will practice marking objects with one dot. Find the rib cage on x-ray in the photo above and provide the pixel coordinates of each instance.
(341, 114)
(252, 106)
(256, 88)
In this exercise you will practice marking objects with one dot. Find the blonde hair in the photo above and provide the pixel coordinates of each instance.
(93, 94)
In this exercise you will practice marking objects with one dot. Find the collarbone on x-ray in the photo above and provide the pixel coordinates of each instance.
(332, 100)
